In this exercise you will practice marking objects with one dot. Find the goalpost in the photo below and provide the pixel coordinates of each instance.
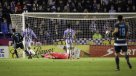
(55, 23)
(49, 27)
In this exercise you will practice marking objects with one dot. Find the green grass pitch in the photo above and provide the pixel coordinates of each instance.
(54, 67)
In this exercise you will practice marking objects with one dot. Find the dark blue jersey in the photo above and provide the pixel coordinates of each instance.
(120, 36)
(17, 38)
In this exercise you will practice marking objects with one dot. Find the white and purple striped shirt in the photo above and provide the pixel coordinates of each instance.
(69, 34)
(28, 34)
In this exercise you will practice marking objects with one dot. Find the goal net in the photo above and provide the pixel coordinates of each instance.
(49, 27)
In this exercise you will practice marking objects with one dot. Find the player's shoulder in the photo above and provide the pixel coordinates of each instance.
(117, 23)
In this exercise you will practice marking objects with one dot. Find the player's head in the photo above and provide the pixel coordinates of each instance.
(68, 26)
(120, 17)
(13, 30)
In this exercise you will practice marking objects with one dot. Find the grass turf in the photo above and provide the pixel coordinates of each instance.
(80, 67)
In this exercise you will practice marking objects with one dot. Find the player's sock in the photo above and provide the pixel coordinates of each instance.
(117, 62)
(127, 59)
(16, 53)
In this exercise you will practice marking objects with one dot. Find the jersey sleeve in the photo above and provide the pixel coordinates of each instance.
(13, 38)
(116, 25)
(21, 37)
(64, 34)
(33, 34)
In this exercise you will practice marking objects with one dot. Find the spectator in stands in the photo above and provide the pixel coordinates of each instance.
(12, 6)
(66, 9)
(119, 9)
(133, 8)
(128, 9)
(85, 11)
(44, 6)
(79, 7)
(18, 8)
(94, 6)
(97, 38)
(92, 27)
(97, 35)
(98, 8)
(4, 27)
(25, 9)
(53, 9)
(60, 6)
(0, 16)
(112, 10)
(104, 9)
(40, 8)
(35, 6)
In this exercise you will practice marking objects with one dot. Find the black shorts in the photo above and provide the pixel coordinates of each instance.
(119, 48)
(20, 45)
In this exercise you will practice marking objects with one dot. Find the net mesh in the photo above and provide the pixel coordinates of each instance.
(49, 27)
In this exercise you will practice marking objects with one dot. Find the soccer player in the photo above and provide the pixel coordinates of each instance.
(17, 41)
(120, 34)
(55, 55)
(28, 34)
(69, 36)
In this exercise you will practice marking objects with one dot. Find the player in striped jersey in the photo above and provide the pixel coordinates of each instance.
(69, 36)
(28, 34)
(120, 40)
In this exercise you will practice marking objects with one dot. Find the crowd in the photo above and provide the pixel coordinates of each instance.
(8, 7)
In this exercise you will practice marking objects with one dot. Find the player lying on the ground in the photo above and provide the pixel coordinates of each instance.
(56, 55)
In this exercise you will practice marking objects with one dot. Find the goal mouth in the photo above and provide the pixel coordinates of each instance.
(85, 23)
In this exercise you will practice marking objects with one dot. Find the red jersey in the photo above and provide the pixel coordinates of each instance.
(56, 55)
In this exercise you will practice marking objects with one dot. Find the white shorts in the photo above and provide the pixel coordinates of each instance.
(27, 44)
(69, 43)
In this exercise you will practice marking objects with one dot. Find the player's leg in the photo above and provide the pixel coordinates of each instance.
(72, 52)
(26, 48)
(16, 53)
(29, 47)
(77, 52)
(117, 51)
(67, 48)
(22, 47)
(72, 49)
(15, 50)
(124, 48)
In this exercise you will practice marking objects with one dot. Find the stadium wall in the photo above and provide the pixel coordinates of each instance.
(108, 51)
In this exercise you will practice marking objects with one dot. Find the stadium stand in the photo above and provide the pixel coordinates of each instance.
(8, 7)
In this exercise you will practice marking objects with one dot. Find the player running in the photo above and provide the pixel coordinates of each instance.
(28, 34)
(120, 34)
(69, 36)
(17, 41)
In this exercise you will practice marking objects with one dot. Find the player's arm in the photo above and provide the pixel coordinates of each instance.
(115, 31)
(23, 34)
(21, 37)
(12, 40)
(127, 29)
(64, 36)
(34, 35)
